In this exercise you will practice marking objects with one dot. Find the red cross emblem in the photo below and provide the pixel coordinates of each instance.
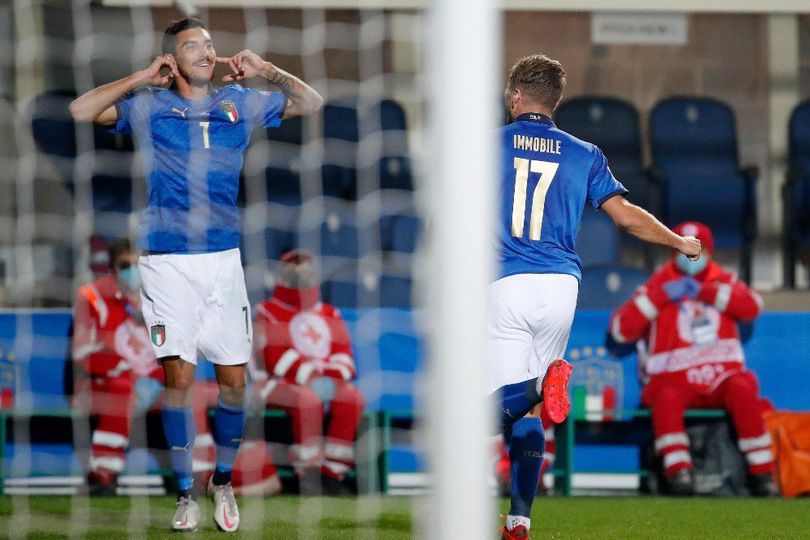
(312, 334)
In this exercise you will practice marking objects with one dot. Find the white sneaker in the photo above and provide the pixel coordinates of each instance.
(226, 513)
(187, 516)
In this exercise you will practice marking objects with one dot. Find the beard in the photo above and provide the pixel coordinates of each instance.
(195, 79)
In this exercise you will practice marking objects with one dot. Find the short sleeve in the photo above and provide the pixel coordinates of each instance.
(602, 185)
(266, 108)
(131, 109)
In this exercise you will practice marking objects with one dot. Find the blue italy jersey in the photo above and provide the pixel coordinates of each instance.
(547, 178)
(192, 152)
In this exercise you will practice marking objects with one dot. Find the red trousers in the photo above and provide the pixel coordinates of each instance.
(334, 450)
(112, 400)
(668, 399)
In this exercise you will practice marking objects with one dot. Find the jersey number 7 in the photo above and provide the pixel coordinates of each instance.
(547, 171)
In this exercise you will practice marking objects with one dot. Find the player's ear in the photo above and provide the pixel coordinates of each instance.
(517, 97)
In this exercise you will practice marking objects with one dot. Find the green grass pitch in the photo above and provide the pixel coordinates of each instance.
(385, 518)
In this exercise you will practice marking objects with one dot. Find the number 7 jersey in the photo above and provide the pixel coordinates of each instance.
(547, 177)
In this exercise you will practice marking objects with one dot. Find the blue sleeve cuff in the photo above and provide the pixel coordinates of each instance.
(622, 191)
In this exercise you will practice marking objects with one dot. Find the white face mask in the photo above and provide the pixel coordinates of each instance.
(690, 267)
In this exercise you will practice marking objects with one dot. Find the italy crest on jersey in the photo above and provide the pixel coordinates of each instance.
(158, 334)
(229, 108)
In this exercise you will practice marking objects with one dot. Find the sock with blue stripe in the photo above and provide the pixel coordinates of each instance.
(516, 400)
(527, 442)
(229, 426)
(178, 427)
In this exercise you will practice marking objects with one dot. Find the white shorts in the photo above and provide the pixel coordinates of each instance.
(529, 325)
(197, 302)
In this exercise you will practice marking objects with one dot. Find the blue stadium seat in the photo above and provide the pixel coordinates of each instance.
(283, 168)
(395, 173)
(597, 239)
(55, 135)
(613, 125)
(343, 294)
(340, 236)
(283, 185)
(52, 126)
(344, 122)
(341, 134)
(695, 162)
(352, 286)
(608, 286)
(392, 116)
(395, 291)
(405, 232)
(796, 192)
(278, 242)
(291, 131)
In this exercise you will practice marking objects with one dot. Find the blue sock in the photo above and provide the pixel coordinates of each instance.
(229, 425)
(526, 456)
(178, 426)
(516, 400)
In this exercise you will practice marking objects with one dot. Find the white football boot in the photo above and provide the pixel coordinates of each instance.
(187, 516)
(226, 513)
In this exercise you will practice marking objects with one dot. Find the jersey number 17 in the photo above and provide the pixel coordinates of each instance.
(547, 171)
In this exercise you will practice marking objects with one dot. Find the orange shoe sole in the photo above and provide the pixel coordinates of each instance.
(556, 402)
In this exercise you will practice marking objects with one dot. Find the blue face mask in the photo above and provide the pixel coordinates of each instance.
(129, 279)
(690, 267)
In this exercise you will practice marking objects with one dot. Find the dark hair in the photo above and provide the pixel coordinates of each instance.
(118, 248)
(540, 78)
(169, 43)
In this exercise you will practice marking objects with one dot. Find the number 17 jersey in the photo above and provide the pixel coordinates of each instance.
(547, 177)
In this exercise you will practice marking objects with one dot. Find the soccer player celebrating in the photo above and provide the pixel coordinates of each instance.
(193, 138)
(547, 178)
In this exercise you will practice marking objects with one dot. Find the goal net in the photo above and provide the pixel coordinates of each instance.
(380, 187)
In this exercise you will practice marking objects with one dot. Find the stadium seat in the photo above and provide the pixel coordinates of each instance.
(400, 236)
(395, 173)
(395, 291)
(796, 192)
(59, 140)
(405, 232)
(54, 132)
(613, 125)
(282, 171)
(607, 286)
(597, 239)
(338, 234)
(695, 163)
(367, 285)
(52, 126)
(278, 242)
(366, 148)
(341, 136)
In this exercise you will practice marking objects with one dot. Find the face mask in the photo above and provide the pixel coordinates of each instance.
(129, 279)
(690, 267)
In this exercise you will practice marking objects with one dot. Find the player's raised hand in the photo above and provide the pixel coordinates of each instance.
(690, 247)
(243, 65)
(162, 71)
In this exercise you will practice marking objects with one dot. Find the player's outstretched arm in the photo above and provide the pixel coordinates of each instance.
(645, 226)
(302, 99)
(97, 104)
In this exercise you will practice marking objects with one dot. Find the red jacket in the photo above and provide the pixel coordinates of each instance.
(299, 337)
(692, 340)
(106, 340)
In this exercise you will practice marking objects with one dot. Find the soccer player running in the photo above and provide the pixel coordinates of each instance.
(193, 137)
(547, 178)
